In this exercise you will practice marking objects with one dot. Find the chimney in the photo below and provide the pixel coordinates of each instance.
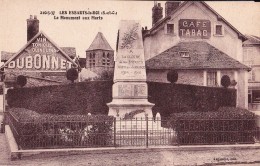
(157, 13)
(171, 6)
(32, 27)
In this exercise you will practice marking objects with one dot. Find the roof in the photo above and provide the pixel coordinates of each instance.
(99, 43)
(202, 56)
(240, 35)
(252, 40)
(70, 51)
(6, 55)
(30, 42)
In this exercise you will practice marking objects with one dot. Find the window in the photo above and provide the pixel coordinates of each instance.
(92, 60)
(249, 61)
(184, 54)
(219, 30)
(247, 55)
(212, 78)
(170, 28)
(256, 96)
(106, 59)
(251, 74)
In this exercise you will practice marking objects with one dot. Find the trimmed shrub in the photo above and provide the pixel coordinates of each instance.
(21, 80)
(72, 74)
(172, 76)
(228, 125)
(50, 131)
(225, 81)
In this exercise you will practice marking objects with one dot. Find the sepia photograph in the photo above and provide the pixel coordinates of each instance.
(129, 83)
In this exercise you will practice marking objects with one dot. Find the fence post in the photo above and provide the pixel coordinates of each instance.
(146, 118)
(114, 132)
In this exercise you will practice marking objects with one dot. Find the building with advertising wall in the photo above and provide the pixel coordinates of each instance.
(200, 44)
(251, 57)
(41, 61)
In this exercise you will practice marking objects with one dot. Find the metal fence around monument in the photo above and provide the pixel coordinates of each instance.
(137, 132)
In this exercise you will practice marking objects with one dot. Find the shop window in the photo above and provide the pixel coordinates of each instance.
(170, 28)
(212, 78)
(92, 60)
(249, 98)
(256, 96)
(219, 30)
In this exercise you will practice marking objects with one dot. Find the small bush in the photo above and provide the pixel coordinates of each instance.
(21, 80)
(72, 74)
(225, 81)
(172, 76)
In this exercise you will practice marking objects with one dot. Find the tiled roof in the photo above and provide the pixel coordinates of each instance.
(6, 55)
(202, 56)
(252, 40)
(70, 51)
(99, 43)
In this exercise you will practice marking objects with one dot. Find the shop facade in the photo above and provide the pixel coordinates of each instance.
(251, 57)
(200, 44)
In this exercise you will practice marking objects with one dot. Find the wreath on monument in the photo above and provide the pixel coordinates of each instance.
(131, 115)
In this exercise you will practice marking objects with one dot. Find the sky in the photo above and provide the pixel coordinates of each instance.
(243, 15)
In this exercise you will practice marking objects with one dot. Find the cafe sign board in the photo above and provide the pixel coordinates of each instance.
(194, 28)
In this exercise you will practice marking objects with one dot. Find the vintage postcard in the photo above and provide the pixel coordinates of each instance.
(111, 82)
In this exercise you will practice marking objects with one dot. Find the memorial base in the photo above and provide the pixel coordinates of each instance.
(130, 108)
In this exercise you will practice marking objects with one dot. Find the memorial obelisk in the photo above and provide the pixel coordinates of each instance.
(130, 91)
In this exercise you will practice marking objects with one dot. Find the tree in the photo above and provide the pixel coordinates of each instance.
(225, 81)
(172, 76)
(21, 80)
(72, 74)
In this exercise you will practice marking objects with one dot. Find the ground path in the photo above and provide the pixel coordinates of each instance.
(161, 158)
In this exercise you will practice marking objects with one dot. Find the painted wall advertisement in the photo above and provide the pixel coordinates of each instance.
(194, 28)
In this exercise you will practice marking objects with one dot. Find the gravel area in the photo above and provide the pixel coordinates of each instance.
(162, 158)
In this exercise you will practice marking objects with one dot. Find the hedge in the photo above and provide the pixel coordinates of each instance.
(175, 98)
(227, 125)
(52, 131)
(78, 98)
(93, 96)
